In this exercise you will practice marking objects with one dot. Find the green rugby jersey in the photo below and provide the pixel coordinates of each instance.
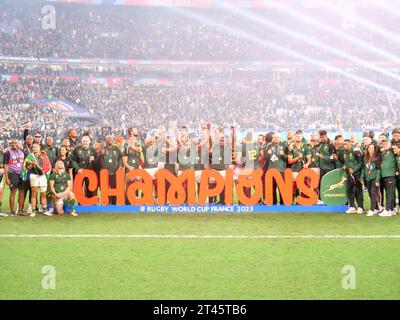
(60, 181)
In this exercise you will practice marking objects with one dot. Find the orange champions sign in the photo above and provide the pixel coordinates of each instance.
(307, 181)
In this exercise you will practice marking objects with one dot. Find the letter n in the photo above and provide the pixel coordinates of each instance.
(285, 186)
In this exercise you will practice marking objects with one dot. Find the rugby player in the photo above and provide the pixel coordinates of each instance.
(221, 159)
(150, 152)
(353, 164)
(73, 140)
(276, 158)
(83, 157)
(111, 159)
(299, 157)
(131, 157)
(35, 164)
(249, 158)
(326, 151)
(61, 187)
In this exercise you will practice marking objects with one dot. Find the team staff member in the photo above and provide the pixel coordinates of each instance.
(111, 159)
(2, 181)
(276, 158)
(388, 173)
(66, 159)
(371, 175)
(61, 187)
(34, 163)
(13, 163)
(352, 164)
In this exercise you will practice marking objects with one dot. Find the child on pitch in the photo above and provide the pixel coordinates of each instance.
(61, 188)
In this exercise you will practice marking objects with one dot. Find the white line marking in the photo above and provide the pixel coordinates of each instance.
(194, 236)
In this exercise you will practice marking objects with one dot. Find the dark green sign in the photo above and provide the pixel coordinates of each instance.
(333, 188)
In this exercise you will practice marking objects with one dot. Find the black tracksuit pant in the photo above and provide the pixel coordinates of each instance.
(355, 192)
(389, 184)
(373, 194)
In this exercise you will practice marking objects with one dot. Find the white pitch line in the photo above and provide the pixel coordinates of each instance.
(194, 236)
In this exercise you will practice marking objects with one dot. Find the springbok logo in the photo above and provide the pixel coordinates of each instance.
(335, 186)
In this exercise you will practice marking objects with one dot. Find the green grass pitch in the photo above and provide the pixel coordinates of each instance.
(200, 268)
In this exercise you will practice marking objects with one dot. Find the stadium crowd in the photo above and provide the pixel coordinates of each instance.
(38, 167)
(309, 103)
(163, 33)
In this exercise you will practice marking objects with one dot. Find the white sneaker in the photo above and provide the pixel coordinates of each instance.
(351, 210)
(3, 214)
(47, 213)
(51, 210)
(40, 209)
(29, 211)
(360, 211)
(320, 202)
(393, 212)
(73, 214)
(32, 214)
(385, 213)
(381, 208)
(371, 213)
